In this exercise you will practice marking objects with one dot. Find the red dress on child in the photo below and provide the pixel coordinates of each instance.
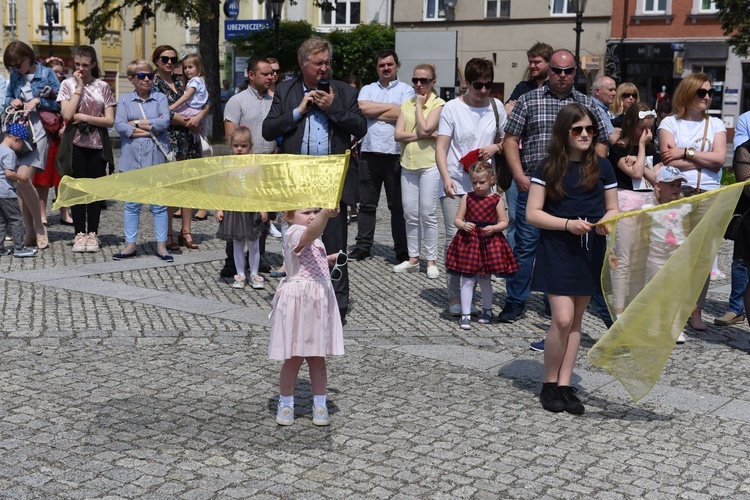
(474, 253)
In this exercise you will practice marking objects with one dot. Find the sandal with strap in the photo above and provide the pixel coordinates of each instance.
(171, 245)
(189, 243)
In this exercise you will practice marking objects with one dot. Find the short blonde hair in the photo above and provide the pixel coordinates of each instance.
(138, 64)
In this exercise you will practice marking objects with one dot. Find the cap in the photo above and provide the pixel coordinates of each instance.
(669, 174)
(21, 132)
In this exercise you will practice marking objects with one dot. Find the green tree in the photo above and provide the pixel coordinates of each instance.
(735, 18)
(260, 44)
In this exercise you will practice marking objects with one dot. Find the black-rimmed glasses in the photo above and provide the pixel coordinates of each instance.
(702, 93)
(341, 260)
(558, 71)
(628, 95)
(167, 59)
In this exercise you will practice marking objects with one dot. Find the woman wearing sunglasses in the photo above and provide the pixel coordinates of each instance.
(180, 133)
(32, 88)
(696, 143)
(416, 128)
(626, 96)
(141, 119)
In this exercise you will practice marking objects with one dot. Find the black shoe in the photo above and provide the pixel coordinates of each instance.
(551, 398)
(359, 254)
(547, 310)
(227, 272)
(511, 312)
(264, 267)
(570, 400)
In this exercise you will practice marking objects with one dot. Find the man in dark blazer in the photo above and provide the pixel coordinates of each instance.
(314, 122)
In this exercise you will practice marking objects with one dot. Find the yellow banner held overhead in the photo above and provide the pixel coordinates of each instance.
(240, 183)
(658, 261)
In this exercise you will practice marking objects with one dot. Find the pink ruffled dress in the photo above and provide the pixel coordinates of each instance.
(305, 318)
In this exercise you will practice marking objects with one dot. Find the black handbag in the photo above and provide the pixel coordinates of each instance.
(735, 226)
(503, 177)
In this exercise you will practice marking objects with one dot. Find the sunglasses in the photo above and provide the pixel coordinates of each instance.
(628, 95)
(558, 71)
(702, 93)
(341, 260)
(274, 71)
(576, 131)
(423, 81)
(143, 76)
(15, 67)
(479, 85)
(166, 59)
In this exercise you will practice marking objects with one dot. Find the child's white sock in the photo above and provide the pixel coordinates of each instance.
(286, 401)
(319, 400)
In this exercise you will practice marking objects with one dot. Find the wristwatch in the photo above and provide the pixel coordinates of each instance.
(689, 153)
(137, 123)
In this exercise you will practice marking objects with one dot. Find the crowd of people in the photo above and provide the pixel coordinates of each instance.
(575, 160)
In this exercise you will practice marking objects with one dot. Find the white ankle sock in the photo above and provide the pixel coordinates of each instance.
(319, 400)
(286, 401)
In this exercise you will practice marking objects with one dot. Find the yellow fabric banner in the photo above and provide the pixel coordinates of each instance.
(659, 260)
(241, 183)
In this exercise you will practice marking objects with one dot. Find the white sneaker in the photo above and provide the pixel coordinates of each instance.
(718, 276)
(320, 415)
(79, 244)
(273, 231)
(681, 339)
(257, 282)
(92, 243)
(285, 415)
(406, 267)
(239, 281)
(432, 272)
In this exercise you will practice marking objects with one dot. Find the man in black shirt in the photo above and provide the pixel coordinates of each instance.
(538, 56)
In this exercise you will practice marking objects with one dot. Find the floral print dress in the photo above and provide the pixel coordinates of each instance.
(181, 139)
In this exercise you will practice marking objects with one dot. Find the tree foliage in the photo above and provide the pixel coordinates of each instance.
(735, 18)
(352, 50)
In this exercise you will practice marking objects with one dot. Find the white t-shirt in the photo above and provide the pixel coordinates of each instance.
(200, 98)
(469, 129)
(689, 134)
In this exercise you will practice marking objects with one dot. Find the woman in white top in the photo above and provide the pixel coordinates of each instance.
(695, 143)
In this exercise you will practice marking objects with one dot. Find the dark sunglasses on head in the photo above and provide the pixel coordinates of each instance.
(423, 81)
(166, 59)
(576, 131)
(479, 85)
(142, 76)
(702, 93)
(628, 95)
(558, 71)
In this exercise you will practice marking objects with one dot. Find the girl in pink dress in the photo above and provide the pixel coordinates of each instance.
(305, 320)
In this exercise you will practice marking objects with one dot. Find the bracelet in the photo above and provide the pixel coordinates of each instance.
(566, 224)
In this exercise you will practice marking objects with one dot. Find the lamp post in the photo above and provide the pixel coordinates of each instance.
(276, 6)
(579, 6)
(50, 7)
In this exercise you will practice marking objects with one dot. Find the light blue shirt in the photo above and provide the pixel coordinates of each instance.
(379, 138)
(3, 88)
(604, 111)
(742, 131)
(315, 140)
(142, 151)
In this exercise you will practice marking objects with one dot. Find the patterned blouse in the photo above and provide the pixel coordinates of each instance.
(181, 139)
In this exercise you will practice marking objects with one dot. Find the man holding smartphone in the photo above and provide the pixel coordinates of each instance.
(313, 118)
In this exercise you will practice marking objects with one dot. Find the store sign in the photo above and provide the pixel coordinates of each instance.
(591, 62)
(232, 9)
(234, 29)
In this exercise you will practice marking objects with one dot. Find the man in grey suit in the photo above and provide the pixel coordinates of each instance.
(312, 121)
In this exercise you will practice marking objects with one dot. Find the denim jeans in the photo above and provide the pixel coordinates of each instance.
(133, 217)
(739, 284)
(518, 285)
(511, 198)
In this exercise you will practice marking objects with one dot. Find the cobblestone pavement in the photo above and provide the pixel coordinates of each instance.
(141, 379)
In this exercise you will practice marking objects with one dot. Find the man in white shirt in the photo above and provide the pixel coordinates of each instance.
(379, 163)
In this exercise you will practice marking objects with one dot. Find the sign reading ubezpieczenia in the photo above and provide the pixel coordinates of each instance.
(238, 28)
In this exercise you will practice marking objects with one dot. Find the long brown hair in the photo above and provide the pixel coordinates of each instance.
(558, 163)
(630, 122)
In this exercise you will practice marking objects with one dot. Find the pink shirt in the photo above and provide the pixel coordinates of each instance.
(95, 98)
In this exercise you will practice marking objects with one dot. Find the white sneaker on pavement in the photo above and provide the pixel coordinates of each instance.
(79, 244)
(320, 415)
(92, 243)
(406, 267)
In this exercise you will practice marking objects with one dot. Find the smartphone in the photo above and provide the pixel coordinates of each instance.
(324, 86)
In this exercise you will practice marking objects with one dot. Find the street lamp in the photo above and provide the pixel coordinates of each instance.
(276, 6)
(50, 8)
(579, 6)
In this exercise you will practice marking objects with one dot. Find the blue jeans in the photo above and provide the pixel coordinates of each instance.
(518, 285)
(133, 217)
(511, 198)
(739, 284)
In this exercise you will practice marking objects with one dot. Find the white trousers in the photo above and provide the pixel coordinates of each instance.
(419, 196)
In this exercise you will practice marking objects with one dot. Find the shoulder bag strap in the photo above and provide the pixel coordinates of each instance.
(497, 120)
(153, 137)
(703, 144)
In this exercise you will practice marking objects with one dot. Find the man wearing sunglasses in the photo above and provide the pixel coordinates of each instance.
(313, 120)
(531, 122)
(380, 161)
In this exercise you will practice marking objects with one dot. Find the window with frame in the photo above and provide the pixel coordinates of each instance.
(654, 6)
(705, 6)
(346, 13)
(434, 10)
(11, 13)
(563, 8)
(497, 9)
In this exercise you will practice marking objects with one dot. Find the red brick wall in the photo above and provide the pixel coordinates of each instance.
(680, 28)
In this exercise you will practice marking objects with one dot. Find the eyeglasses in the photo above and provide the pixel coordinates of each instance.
(628, 95)
(423, 81)
(479, 85)
(702, 93)
(143, 76)
(274, 71)
(15, 67)
(558, 71)
(341, 260)
(166, 59)
(576, 131)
